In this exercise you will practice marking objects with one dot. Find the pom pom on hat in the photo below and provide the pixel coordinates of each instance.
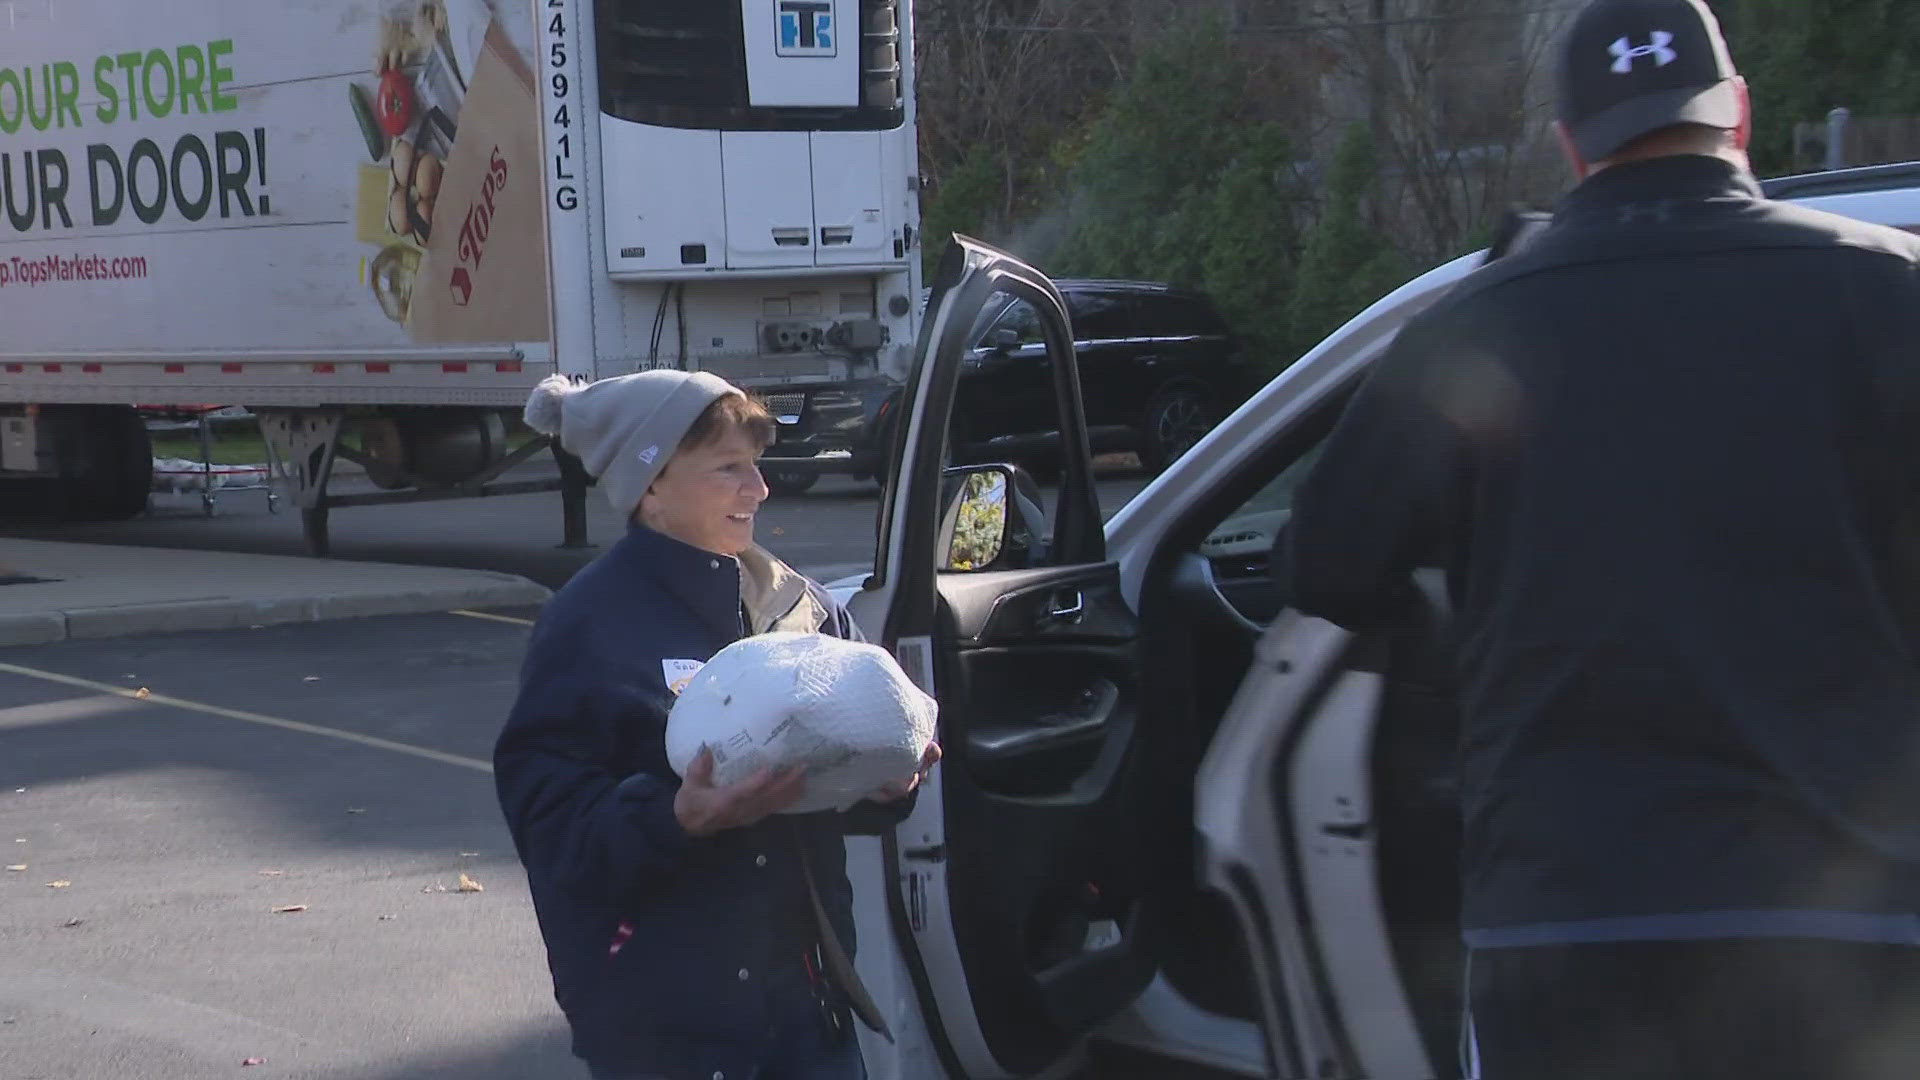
(542, 413)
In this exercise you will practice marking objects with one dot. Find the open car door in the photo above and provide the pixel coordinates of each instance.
(1333, 838)
(1017, 883)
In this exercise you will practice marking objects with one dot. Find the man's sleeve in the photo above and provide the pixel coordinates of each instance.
(865, 818)
(575, 823)
(1384, 496)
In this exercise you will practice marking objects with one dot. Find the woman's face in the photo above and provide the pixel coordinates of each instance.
(707, 495)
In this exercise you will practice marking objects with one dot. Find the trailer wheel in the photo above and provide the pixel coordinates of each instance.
(105, 461)
(128, 464)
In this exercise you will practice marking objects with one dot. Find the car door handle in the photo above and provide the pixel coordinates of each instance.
(1068, 607)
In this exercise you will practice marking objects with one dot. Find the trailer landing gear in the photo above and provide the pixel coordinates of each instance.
(306, 442)
(573, 500)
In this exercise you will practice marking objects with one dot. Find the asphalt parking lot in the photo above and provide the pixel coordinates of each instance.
(260, 859)
(339, 769)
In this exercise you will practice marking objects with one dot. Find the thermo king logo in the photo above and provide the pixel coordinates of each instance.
(806, 28)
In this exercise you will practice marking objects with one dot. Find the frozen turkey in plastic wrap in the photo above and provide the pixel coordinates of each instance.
(841, 709)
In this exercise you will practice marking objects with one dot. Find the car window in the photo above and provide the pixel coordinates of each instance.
(1252, 527)
(1009, 412)
(1191, 315)
(1017, 316)
(1101, 316)
(985, 319)
(1240, 548)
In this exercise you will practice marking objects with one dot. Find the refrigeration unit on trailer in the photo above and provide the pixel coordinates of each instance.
(376, 226)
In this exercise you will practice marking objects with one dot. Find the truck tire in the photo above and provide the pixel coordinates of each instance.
(785, 483)
(106, 462)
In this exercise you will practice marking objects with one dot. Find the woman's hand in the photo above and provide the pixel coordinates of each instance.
(897, 791)
(704, 809)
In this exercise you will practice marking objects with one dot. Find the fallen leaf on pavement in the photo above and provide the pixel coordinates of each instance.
(270, 873)
(467, 884)
(469, 854)
(71, 923)
(143, 692)
(355, 810)
(253, 1061)
(387, 918)
(19, 791)
(16, 868)
(58, 884)
(779, 531)
(310, 678)
(19, 839)
(434, 889)
(289, 909)
(8, 1020)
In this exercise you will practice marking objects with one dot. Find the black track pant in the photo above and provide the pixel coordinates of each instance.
(1742, 1010)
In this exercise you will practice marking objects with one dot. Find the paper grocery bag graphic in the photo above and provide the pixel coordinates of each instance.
(485, 274)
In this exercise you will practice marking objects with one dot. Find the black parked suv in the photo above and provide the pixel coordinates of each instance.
(1158, 369)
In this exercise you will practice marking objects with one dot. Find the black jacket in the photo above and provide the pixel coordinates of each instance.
(1669, 456)
(588, 795)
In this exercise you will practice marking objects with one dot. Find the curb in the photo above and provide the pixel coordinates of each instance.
(84, 623)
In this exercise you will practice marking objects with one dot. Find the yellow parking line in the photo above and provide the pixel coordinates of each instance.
(252, 718)
(493, 618)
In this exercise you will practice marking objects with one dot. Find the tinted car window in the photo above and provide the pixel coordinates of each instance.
(1019, 317)
(1102, 316)
(1175, 316)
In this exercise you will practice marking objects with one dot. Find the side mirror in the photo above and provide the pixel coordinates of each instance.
(993, 520)
(975, 526)
(1003, 340)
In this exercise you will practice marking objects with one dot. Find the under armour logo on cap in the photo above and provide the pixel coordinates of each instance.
(650, 454)
(1620, 78)
(1625, 53)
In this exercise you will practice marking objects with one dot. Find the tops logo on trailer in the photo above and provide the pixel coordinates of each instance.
(476, 227)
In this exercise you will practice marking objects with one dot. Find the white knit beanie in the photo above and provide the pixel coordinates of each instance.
(624, 429)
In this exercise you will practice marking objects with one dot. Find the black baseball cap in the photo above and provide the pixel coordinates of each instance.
(1628, 67)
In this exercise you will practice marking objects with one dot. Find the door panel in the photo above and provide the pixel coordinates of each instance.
(1038, 716)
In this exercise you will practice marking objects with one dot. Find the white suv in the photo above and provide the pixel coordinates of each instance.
(1180, 829)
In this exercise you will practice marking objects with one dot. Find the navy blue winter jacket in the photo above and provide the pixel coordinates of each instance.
(583, 779)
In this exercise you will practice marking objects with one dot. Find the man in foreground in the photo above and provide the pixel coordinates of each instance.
(1669, 456)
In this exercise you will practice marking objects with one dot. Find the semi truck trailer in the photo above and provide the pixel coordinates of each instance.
(376, 225)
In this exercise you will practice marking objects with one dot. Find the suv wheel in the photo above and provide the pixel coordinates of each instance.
(1176, 418)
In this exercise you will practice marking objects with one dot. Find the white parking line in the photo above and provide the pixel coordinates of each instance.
(60, 712)
(251, 717)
